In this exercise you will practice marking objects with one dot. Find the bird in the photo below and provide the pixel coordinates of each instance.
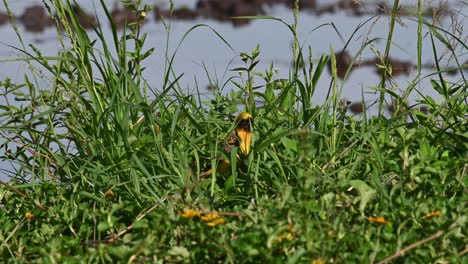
(241, 137)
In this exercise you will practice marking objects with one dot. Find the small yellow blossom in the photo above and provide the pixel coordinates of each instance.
(288, 235)
(431, 214)
(209, 217)
(143, 14)
(109, 194)
(378, 220)
(284, 236)
(188, 213)
(218, 221)
(318, 261)
(28, 215)
(291, 229)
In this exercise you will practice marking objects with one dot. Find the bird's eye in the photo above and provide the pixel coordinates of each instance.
(245, 124)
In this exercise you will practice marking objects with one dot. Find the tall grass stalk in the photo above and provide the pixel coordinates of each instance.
(385, 70)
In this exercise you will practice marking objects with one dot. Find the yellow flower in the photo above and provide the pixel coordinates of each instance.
(218, 221)
(291, 229)
(288, 235)
(109, 194)
(28, 215)
(209, 217)
(318, 261)
(378, 220)
(284, 236)
(431, 214)
(188, 213)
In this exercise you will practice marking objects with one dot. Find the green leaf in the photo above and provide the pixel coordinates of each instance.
(179, 251)
(103, 226)
(366, 193)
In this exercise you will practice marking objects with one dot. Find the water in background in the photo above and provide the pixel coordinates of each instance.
(203, 47)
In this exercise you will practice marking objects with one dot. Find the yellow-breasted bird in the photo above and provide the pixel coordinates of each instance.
(241, 137)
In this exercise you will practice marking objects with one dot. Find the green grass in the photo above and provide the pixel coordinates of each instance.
(309, 192)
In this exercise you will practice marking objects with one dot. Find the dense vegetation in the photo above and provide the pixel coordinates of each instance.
(107, 167)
